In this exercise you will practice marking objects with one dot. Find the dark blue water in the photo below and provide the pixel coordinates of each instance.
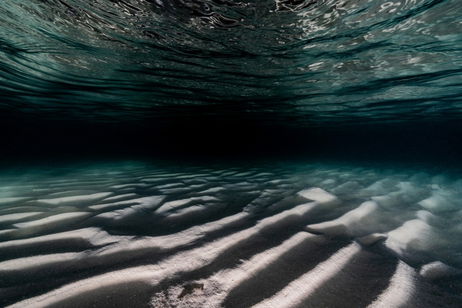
(225, 153)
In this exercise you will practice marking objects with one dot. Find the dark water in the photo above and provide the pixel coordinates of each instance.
(225, 153)
(221, 76)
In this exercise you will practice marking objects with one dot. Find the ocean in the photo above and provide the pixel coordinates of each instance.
(225, 153)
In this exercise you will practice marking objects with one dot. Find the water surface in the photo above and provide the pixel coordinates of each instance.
(225, 153)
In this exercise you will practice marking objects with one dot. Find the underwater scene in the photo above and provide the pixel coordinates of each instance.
(230, 153)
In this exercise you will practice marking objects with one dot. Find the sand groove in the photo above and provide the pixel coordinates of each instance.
(229, 238)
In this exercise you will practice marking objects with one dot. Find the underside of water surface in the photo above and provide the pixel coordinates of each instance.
(226, 153)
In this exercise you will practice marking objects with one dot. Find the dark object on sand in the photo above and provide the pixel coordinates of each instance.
(190, 287)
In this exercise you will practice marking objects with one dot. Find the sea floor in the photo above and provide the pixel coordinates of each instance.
(132, 234)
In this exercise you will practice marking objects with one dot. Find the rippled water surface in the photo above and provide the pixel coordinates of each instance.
(226, 153)
(303, 62)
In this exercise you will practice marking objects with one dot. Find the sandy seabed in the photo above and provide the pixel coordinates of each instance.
(313, 235)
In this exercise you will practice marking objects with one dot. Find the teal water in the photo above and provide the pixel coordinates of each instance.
(297, 62)
(226, 153)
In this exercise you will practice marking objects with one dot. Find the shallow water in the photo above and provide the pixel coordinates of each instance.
(221, 153)
(307, 62)
(139, 235)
